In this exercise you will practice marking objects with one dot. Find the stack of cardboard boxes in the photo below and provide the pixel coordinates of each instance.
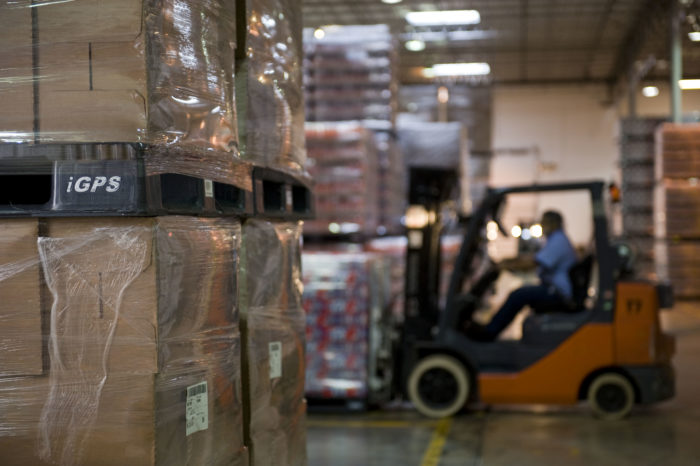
(677, 207)
(120, 337)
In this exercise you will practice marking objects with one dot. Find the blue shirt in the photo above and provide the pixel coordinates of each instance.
(555, 259)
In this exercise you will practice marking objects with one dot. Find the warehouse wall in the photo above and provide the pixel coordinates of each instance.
(660, 105)
(553, 133)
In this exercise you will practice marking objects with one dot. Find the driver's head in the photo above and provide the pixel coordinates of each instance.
(551, 222)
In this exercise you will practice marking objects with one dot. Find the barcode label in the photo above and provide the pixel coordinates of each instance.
(208, 188)
(275, 348)
(197, 408)
(197, 389)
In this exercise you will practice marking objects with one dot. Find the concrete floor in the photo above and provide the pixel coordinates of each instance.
(666, 434)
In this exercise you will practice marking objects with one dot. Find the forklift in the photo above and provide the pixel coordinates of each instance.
(608, 348)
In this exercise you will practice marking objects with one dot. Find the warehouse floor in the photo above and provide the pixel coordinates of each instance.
(666, 434)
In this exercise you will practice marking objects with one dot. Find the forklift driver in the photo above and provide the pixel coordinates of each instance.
(553, 262)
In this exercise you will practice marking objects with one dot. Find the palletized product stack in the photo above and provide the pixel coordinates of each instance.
(677, 207)
(343, 163)
(350, 74)
(437, 145)
(123, 198)
(637, 162)
(349, 326)
(273, 322)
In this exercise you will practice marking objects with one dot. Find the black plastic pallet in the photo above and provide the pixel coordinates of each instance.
(111, 179)
(281, 195)
(111, 188)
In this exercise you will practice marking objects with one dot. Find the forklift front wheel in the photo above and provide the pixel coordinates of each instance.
(611, 396)
(438, 386)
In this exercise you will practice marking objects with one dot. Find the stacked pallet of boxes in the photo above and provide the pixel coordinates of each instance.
(120, 326)
(469, 103)
(637, 161)
(271, 125)
(351, 85)
(343, 164)
(677, 207)
(350, 74)
(346, 297)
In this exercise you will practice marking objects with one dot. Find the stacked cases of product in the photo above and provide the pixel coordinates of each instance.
(677, 207)
(343, 164)
(120, 336)
(348, 324)
(469, 103)
(432, 145)
(637, 160)
(350, 74)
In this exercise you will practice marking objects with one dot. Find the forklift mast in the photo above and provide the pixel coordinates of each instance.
(429, 188)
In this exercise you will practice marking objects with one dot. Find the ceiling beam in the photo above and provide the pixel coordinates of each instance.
(598, 37)
(652, 15)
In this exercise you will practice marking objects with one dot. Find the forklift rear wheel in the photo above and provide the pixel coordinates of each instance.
(611, 396)
(438, 386)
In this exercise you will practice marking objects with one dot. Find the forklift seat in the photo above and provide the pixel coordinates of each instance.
(553, 325)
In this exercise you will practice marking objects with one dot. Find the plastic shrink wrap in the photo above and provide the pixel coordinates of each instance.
(274, 343)
(347, 302)
(127, 350)
(343, 164)
(269, 92)
(116, 79)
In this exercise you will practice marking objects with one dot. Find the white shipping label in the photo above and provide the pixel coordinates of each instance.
(208, 188)
(197, 408)
(275, 359)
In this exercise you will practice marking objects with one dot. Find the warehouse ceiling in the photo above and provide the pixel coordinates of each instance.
(531, 41)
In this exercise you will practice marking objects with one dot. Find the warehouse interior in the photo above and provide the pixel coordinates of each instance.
(320, 232)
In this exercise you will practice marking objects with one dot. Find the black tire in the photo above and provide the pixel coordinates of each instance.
(611, 396)
(438, 386)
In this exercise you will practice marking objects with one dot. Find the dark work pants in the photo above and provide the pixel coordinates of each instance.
(533, 296)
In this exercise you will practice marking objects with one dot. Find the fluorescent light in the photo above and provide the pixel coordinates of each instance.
(686, 84)
(458, 69)
(391, 2)
(650, 91)
(319, 33)
(694, 36)
(442, 18)
(415, 45)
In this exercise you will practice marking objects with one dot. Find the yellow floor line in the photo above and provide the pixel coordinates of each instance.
(437, 443)
(369, 424)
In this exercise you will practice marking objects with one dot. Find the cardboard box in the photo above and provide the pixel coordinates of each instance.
(16, 90)
(143, 310)
(90, 21)
(134, 420)
(273, 324)
(20, 303)
(169, 71)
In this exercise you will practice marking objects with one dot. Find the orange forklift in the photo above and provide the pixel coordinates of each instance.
(607, 347)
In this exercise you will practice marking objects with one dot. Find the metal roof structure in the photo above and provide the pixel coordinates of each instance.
(532, 41)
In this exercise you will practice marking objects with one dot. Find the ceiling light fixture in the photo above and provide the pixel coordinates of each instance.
(694, 36)
(687, 84)
(457, 69)
(443, 18)
(319, 33)
(391, 2)
(415, 45)
(650, 91)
